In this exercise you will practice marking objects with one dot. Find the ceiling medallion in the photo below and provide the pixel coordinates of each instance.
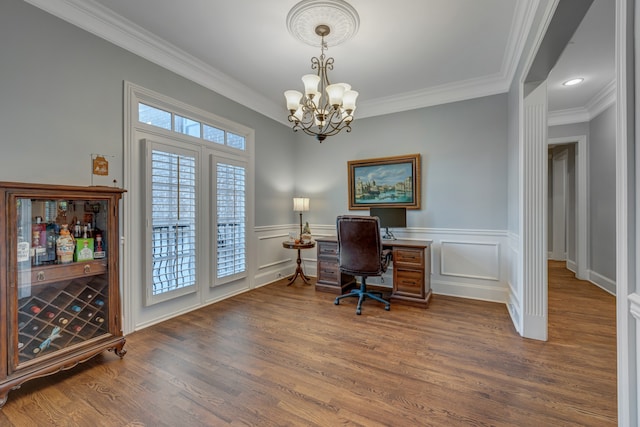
(341, 18)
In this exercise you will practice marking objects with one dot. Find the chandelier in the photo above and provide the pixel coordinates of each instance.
(324, 109)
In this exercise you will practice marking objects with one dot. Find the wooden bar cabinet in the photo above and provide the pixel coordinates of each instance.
(59, 291)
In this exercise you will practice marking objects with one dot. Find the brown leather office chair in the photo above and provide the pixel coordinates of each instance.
(360, 253)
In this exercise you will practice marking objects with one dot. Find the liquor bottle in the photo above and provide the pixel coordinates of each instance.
(99, 249)
(39, 241)
(63, 321)
(52, 231)
(23, 251)
(99, 319)
(35, 309)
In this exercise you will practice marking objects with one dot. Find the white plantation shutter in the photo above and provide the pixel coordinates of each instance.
(172, 228)
(231, 221)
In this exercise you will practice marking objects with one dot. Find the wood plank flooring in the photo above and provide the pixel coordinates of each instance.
(287, 356)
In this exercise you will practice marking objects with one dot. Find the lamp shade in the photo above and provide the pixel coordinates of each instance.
(310, 83)
(293, 99)
(349, 100)
(335, 93)
(300, 204)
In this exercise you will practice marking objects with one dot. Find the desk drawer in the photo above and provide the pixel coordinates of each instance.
(328, 249)
(408, 257)
(328, 271)
(408, 283)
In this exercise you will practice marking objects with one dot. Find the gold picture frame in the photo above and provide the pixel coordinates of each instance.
(385, 182)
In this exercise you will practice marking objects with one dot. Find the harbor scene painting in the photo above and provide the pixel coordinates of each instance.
(389, 181)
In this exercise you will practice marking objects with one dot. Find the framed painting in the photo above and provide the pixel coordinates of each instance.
(385, 182)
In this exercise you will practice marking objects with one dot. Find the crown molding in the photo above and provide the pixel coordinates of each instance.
(568, 116)
(453, 92)
(596, 105)
(520, 27)
(603, 99)
(104, 23)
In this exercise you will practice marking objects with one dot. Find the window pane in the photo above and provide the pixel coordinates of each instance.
(154, 116)
(187, 126)
(231, 220)
(235, 141)
(173, 204)
(213, 134)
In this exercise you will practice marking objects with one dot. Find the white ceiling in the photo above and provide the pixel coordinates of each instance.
(407, 53)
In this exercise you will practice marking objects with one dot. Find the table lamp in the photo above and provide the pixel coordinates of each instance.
(300, 204)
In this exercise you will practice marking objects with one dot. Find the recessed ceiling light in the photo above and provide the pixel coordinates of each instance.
(573, 82)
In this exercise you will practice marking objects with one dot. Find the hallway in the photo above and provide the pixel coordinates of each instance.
(581, 315)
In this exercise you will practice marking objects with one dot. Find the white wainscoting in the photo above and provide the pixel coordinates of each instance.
(475, 260)
(274, 261)
(464, 263)
(467, 263)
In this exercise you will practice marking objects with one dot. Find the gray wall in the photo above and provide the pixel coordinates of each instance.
(574, 129)
(464, 163)
(602, 193)
(61, 99)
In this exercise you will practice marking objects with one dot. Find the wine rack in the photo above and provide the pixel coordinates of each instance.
(59, 290)
(57, 318)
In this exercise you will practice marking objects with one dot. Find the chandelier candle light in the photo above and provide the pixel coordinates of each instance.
(325, 109)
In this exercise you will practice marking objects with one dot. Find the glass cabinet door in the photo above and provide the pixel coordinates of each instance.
(62, 285)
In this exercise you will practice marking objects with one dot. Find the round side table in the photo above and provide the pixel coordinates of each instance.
(299, 272)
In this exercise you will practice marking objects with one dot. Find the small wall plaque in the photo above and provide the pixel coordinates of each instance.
(100, 166)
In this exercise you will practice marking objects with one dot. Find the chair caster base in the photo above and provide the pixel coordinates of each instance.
(387, 307)
(337, 301)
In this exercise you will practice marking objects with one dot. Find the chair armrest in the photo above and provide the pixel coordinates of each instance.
(387, 255)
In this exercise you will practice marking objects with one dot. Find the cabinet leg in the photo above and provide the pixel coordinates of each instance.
(119, 349)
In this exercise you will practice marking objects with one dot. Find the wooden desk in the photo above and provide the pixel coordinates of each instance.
(299, 272)
(411, 270)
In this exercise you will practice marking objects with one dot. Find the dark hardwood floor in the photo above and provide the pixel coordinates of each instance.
(286, 356)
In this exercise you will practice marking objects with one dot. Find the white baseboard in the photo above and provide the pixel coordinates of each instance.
(602, 282)
(469, 290)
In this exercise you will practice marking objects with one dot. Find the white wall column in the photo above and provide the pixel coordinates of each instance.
(534, 158)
